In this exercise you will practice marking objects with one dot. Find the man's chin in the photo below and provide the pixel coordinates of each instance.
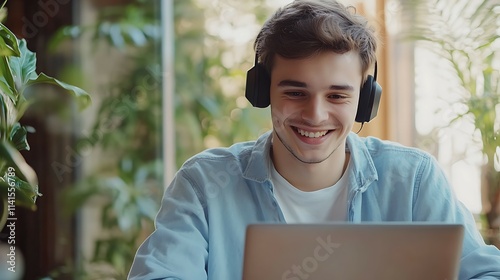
(311, 159)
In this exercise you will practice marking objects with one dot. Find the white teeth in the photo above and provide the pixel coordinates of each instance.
(312, 134)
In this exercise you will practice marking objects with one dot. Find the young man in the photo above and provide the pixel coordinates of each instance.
(314, 60)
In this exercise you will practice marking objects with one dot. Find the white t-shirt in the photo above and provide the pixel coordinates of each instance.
(325, 205)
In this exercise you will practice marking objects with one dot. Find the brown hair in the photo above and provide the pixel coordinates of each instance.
(305, 27)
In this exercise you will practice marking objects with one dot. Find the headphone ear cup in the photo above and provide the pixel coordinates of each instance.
(369, 100)
(258, 84)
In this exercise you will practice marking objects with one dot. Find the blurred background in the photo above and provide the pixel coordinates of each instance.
(166, 79)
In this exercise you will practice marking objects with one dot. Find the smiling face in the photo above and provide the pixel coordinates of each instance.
(313, 106)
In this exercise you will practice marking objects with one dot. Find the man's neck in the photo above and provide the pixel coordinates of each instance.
(312, 177)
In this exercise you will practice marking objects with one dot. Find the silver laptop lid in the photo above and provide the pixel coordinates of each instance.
(352, 251)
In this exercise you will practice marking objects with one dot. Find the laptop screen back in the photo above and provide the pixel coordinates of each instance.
(352, 251)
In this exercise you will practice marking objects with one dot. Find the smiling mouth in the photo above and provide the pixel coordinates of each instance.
(311, 134)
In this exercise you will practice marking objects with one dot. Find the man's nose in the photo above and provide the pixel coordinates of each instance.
(315, 110)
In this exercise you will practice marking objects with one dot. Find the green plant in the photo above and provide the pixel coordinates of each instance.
(465, 33)
(127, 131)
(210, 74)
(18, 80)
(128, 123)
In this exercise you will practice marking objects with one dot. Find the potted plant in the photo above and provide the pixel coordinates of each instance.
(18, 77)
(465, 33)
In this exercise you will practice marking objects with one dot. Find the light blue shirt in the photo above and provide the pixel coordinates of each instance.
(200, 227)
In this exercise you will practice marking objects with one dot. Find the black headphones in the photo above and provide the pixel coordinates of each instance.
(258, 85)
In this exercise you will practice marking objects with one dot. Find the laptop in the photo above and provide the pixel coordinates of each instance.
(387, 251)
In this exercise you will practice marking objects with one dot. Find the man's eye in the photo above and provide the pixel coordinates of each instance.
(294, 94)
(336, 96)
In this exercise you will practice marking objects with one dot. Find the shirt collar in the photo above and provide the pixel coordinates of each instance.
(260, 159)
(363, 170)
(362, 173)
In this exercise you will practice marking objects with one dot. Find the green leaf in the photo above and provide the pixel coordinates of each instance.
(7, 84)
(4, 88)
(22, 177)
(147, 207)
(116, 36)
(24, 75)
(23, 67)
(3, 12)
(82, 96)
(15, 160)
(135, 34)
(3, 117)
(18, 137)
(63, 34)
(9, 45)
(25, 194)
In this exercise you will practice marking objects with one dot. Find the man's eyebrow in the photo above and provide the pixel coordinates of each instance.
(293, 83)
(342, 87)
